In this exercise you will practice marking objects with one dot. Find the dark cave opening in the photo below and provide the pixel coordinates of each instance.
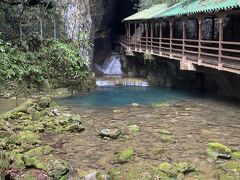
(111, 26)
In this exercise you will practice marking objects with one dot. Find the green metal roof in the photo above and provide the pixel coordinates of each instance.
(186, 7)
(147, 13)
(198, 6)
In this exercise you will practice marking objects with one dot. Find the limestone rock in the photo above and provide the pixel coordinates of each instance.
(111, 133)
(75, 128)
(217, 150)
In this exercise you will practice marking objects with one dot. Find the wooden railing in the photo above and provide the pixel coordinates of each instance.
(221, 55)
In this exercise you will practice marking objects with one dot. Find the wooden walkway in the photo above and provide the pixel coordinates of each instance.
(220, 55)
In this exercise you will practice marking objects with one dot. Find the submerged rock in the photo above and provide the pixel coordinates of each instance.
(147, 171)
(134, 128)
(159, 105)
(217, 150)
(165, 132)
(229, 171)
(125, 155)
(167, 139)
(111, 133)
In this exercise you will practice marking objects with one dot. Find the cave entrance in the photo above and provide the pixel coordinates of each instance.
(108, 30)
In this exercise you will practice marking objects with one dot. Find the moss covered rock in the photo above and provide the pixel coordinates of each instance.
(75, 128)
(217, 150)
(44, 102)
(167, 139)
(229, 171)
(4, 164)
(235, 155)
(25, 137)
(134, 128)
(126, 155)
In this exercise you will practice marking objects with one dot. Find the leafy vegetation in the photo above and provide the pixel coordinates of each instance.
(37, 64)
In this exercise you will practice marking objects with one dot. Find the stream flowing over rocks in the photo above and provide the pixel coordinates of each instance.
(177, 140)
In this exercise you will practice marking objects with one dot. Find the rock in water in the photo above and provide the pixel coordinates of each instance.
(111, 133)
(134, 128)
(126, 155)
(217, 150)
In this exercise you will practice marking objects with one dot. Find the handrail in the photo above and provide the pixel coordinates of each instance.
(207, 51)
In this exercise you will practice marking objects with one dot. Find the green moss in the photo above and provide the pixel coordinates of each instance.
(28, 137)
(216, 150)
(134, 128)
(168, 169)
(100, 176)
(44, 102)
(126, 155)
(75, 128)
(231, 166)
(184, 167)
(4, 164)
(39, 151)
(17, 159)
(235, 155)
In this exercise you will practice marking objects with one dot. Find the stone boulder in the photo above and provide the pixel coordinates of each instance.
(110, 133)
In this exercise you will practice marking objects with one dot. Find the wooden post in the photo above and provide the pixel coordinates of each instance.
(129, 36)
(200, 19)
(184, 38)
(140, 43)
(126, 33)
(171, 36)
(220, 19)
(152, 36)
(160, 38)
(146, 38)
(135, 38)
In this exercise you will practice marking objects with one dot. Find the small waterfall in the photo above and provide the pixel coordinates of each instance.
(112, 65)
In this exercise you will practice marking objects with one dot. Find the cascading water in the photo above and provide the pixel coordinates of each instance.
(113, 75)
(112, 65)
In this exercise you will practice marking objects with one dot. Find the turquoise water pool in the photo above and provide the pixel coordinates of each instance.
(121, 96)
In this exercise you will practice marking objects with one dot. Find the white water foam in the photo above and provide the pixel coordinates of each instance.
(112, 65)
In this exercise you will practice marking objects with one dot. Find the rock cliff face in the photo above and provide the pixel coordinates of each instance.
(99, 20)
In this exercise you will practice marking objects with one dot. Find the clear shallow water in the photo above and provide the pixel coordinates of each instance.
(121, 96)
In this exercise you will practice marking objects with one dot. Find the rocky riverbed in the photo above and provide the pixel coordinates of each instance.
(181, 140)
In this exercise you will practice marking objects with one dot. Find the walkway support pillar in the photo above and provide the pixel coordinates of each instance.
(184, 38)
(135, 34)
(146, 38)
(220, 19)
(128, 34)
(160, 38)
(171, 21)
(152, 35)
(200, 19)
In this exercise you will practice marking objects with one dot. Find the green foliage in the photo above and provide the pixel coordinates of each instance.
(62, 61)
(33, 62)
